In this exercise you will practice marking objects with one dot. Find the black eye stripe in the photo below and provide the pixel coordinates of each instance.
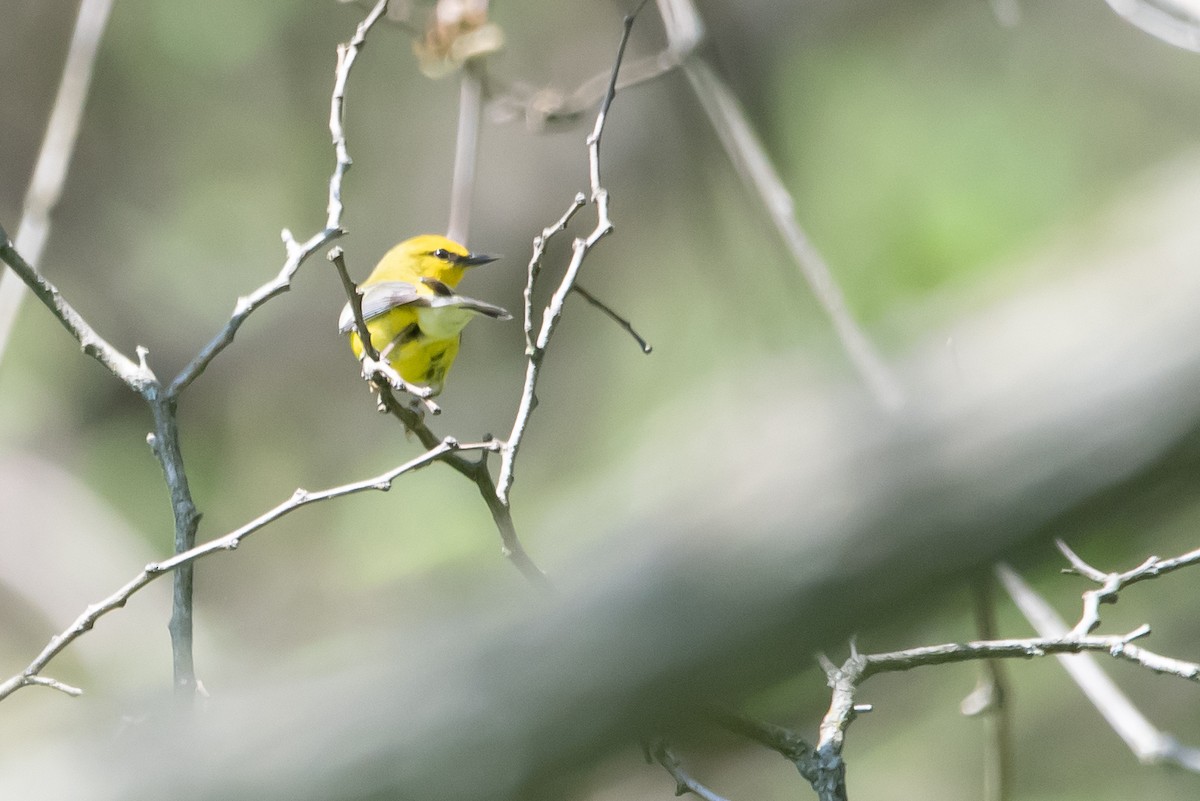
(444, 255)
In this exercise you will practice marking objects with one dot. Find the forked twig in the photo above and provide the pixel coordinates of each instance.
(536, 347)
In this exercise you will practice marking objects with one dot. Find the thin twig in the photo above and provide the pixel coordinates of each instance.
(1119, 646)
(477, 471)
(779, 739)
(627, 326)
(346, 55)
(546, 106)
(135, 375)
(536, 350)
(535, 262)
(1112, 583)
(1144, 739)
(375, 369)
(822, 768)
(297, 253)
(684, 782)
(54, 157)
(445, 449)
(989, 699)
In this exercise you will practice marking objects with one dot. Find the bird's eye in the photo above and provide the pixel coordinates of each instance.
(442, 254)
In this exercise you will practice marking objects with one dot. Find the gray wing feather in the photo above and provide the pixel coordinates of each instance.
(383, 297)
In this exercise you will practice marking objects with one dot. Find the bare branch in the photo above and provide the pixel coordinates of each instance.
(1141, 736)
(297, 254)
(545, 107)
(50, 171)
(1078, 565)
(137, 376)
(1116, 645)
(828, 771)
(684, 783)
(375, 368)
(535, 263)
(616, 318)
(412, 420)
(1113, 583)
(784, 741)
(165, 441)
(55, 684)
(822, 768)
(301, 497)
(580, 248)
(346, 55)
(477, 471)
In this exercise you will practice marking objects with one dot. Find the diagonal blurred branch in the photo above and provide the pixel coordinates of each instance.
(50, 172)
(748, 554)
(685, 31)
(1144, 739)
(1176, 22)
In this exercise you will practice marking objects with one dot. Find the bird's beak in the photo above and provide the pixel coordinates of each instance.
(476, 259)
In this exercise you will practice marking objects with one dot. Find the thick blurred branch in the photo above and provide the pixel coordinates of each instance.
(817, 514)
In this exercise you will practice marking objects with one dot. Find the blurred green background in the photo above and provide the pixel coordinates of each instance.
(931, 147)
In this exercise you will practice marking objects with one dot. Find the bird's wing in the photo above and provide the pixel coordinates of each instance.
(463, 302)
(387, 295)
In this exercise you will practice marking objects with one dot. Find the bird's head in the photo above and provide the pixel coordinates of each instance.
(427, 256)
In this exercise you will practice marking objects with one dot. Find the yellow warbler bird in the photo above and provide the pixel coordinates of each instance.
(410, 308)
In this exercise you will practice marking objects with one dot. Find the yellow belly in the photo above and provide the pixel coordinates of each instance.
(417, 356)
